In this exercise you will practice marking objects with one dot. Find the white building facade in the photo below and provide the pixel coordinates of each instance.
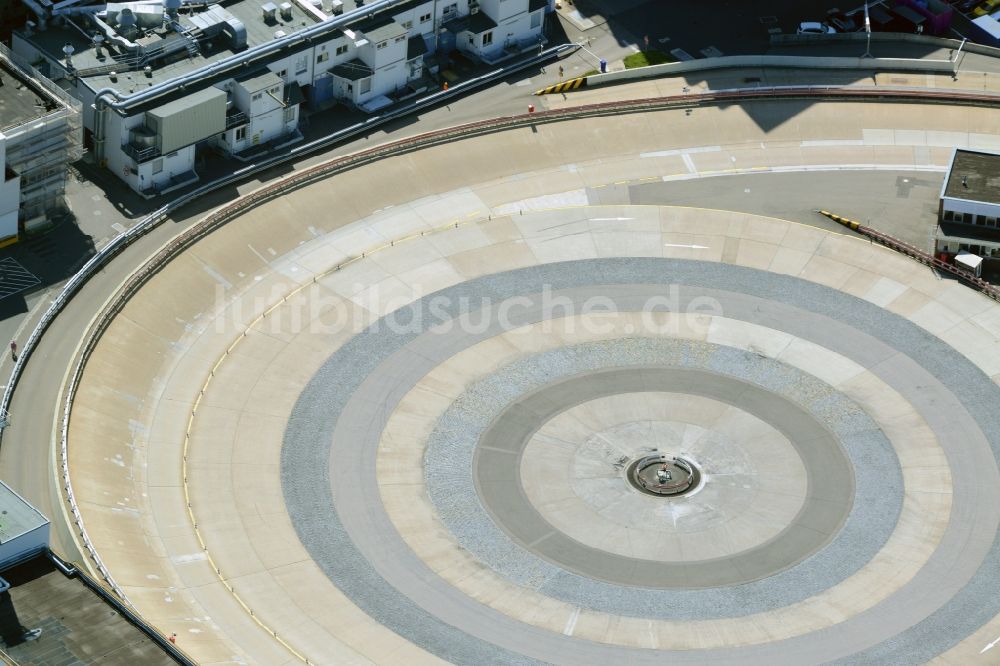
(10, 195)
(368, 65)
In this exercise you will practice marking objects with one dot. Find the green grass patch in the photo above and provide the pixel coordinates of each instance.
(644, 58)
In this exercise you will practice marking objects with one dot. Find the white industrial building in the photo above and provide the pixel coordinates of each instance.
(24, 531)
(969, 208)
(162, 80)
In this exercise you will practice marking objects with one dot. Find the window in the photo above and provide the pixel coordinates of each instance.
(283, 73)
(536, 19)
(991, 221)
(948, 216)
(241, 133)
(401, 38)
(366, 85)
(407, 25)
(487, 38)
(302, 64)
(341, 50)
(289, 114)
(967, 218)
(157, 166)
(256, 98)
(981, 220)
(381, 45)
(323, 57)
(425, 18)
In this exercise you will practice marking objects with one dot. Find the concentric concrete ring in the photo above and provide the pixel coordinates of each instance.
(333, 544)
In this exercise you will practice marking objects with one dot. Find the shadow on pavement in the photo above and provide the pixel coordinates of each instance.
(40, 261)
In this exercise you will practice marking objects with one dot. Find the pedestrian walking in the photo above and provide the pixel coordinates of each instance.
(560, 72)
(13, 351)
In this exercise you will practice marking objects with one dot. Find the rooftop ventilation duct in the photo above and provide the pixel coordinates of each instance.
(217, 20)
(126, 24)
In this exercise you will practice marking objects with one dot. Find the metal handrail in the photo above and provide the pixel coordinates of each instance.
(235, 119)
(916, 254)
(140, 154)
(337, 165)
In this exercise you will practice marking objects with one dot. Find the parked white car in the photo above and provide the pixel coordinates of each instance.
(814, 28)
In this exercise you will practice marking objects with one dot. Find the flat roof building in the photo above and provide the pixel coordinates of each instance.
(24, 531)
(969, 208)
(51, 613)
(123, 61)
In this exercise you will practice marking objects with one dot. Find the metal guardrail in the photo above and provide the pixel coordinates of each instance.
(337, 165)
(917, 254)
(236, 118)
(140, 154)
(130, 616)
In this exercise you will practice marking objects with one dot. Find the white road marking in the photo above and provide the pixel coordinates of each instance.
(259, 255)
(571, 622)
(693, 247)
(689, 163)
(831, 142)
(989, 646)
(684, 151)
(610, 219)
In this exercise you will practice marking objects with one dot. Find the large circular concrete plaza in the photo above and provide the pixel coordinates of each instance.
(386, 417)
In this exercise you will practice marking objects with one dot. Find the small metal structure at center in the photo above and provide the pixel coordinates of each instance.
(662, 475)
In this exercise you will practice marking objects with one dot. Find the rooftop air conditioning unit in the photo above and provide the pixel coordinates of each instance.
(278, 34)
(286, 11)
(336, 7)
(269, 10)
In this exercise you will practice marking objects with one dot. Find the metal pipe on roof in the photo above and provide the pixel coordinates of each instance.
(123, 102)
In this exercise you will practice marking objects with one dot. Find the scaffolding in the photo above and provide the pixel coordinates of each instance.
(41, 149)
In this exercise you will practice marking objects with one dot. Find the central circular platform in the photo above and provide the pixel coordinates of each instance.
(575, 469)
(663, 475)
